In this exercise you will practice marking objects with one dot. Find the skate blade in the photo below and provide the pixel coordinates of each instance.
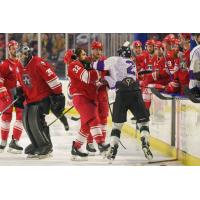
(2, 150)
(34, 157)
(91, 153)
(49, 155)
(78, 158)
(14, 151)
(110, 161)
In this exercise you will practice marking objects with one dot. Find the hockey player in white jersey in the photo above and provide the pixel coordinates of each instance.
(194, 84)
(122, 78)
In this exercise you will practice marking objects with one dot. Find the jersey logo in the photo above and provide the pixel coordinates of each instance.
(49, 72)
(26, 80)
(76, 68)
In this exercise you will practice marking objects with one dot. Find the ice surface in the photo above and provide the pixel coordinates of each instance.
(62, 141)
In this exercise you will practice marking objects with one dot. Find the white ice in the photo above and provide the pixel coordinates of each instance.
(62, 141)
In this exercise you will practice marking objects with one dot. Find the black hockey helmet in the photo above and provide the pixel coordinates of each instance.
(24, 54)
(125, 50)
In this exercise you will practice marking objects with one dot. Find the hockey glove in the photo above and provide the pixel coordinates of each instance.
(20, 96)
(4, 96)
(87, 65)
(57, 103)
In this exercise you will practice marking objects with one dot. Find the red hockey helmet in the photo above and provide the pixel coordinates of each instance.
(171, 36)
(150, 42)
(12, 43)
(186, 36)
(136, 43)
(96, 45)
(69, 56)
(175, 41)
(158, 45)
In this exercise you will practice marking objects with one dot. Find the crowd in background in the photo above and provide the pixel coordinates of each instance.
(53, 45)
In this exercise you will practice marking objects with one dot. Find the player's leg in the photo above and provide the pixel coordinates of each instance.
(90, 145)
(80, 103)
(5, 127)
(77, 152)
(31, 149)
(88, 114)
(138, 108)
(39, 130)
(103, 110)
(14, 147)
(118, 118)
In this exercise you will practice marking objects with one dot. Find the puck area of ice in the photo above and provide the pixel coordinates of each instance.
(62, 142)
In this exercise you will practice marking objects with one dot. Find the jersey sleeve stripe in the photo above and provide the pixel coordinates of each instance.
(84, 76)
(53, 83)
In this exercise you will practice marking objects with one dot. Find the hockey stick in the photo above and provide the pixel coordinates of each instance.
(191, 96)
(8, 106)
(145, 72)
(159, 95)
(60, 116)
(73, 118)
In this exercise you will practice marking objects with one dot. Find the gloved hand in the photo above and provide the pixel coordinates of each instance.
(87, 65)
(20, 96)
(4, 96)
(57, 102)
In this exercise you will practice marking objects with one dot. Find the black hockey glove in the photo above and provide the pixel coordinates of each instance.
(57, 103)
(20, 96)
(87, 65)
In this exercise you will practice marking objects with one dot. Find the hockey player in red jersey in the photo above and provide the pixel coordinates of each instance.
(84, 89)
(8, 83)
(138, 56)
(102, 96)
(42, 90)
(182, 63)
(150, 59)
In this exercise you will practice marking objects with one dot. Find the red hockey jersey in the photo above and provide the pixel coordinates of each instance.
(8, 79)
(38, 80)
(83, 82)
(149, 60)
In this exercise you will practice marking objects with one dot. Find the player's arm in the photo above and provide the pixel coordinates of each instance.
(4, 96)
(109, 66)
(76, 71)
(47, 73)
(57, 98)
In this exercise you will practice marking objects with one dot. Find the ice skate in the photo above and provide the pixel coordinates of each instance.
(78, 154)
(14, 147)
(103, 148)
(146, 149)
(90, 148)
(112, 152)
(44, 152)
(3, 146)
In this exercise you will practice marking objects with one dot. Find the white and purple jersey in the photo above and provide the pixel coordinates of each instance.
(194, 67)
(119, 68)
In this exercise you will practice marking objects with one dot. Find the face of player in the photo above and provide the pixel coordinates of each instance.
(186, 45)
(12, 51)
(22, 57)
(158, 52)
(96, 53)
(167, 46)
(198, 39)
(176, 48)
(82, 56)
(137, 50)
(150, 49)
